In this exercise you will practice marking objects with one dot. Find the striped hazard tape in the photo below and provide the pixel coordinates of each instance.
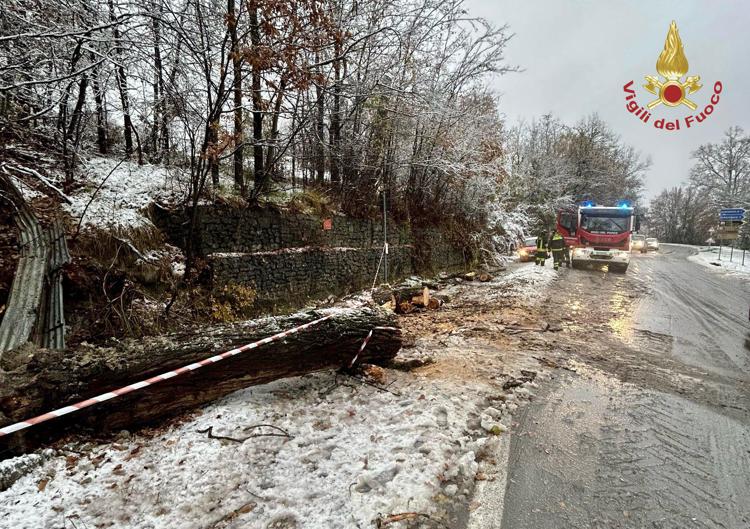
(361, 348)
(367, 339)
(159, 378)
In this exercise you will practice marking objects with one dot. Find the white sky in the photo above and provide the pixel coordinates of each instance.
(577, 55)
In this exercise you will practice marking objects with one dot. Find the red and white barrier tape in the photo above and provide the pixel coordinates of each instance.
(361, 348)
(367, 339)
(159, 378)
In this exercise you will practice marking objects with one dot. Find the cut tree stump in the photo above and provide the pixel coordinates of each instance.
(35, 381)
(405, 299)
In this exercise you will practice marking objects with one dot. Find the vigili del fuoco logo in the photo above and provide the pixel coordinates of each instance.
(671, 90)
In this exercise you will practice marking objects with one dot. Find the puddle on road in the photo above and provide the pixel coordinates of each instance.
(603, 299)
(622, 320)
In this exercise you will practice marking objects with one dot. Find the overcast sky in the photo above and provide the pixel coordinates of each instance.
(577, 55)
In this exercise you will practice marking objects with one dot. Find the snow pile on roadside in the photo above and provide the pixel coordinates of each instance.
(527, 282)
(709, 256)
(524, 283)
(121, 190)
(355, 453)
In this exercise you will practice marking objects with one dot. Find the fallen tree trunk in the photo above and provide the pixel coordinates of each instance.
(37, 381)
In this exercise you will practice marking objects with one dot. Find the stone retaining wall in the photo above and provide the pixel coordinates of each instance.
(287, 278)
(289, 258)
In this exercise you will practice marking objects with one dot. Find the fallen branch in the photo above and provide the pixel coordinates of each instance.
(400, 517)
(512, 383)
(133, 249)
(368, 383)
(281, 433)
(243, 509)
(515, 329)
(551, 363)
(43, 179)
(327, 391)
(411, 364)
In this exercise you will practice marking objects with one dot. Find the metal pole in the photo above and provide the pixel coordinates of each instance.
(385, 239)
(719, 249)
(743, 257)
(731, 253)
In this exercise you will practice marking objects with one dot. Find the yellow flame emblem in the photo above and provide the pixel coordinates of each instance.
(672, 65)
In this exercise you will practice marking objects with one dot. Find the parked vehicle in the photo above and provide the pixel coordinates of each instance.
(652, 245)
(527, 249)
(637, 243)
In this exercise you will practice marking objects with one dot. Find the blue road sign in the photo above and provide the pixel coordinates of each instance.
(732, 214)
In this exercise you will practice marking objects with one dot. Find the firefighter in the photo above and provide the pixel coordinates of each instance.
(541, 249)
(566, 253)
(557, 246)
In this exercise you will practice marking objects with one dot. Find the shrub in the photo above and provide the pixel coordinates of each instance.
(232, 302)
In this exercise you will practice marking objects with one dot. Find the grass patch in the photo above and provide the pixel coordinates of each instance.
(311, 202)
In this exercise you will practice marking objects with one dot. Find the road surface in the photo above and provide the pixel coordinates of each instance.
(653, 429)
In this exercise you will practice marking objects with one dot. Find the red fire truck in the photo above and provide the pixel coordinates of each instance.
(599, 235)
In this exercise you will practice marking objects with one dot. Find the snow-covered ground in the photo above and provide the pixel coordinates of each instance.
(354, 452)
(523, 281)
(28, 192)
(121, 191)
(527, 280)
(730, 262)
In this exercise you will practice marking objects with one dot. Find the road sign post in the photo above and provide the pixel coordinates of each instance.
(730, 222)
(731, 214)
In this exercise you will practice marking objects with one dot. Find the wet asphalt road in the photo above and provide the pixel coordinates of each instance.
(655, 434)
(702, 312)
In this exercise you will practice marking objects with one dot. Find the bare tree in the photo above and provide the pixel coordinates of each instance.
(722, 170)
(232, 21)
(681, 215)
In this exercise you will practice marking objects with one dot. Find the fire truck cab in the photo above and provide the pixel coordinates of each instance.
(599, 235)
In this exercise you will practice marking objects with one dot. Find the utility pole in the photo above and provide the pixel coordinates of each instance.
(385, 237)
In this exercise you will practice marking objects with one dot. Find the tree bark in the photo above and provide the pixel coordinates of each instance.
(168, 101)
(62, 119)
(31, 384)
(259, 173)
(75, 118)
(320, 154)
(239, 139)
(158, 88)
(274, 138)
(101, 119)
(214, 155)
(122, 83)
(335, 134)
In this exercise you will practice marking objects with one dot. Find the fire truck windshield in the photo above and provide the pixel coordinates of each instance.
(609, 225)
